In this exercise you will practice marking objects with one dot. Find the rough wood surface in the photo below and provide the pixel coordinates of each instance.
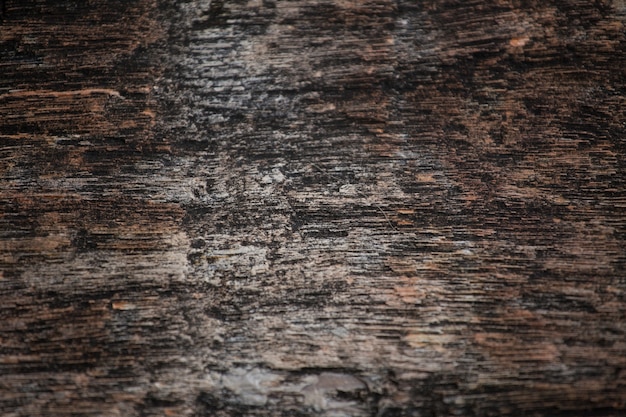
(310, 207)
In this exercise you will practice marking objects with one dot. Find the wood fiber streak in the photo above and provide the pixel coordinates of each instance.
(312, 207)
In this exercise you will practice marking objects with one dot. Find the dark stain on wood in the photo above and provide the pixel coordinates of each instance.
(314, 207)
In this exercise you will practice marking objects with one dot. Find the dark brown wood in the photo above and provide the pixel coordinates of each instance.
(336, 208)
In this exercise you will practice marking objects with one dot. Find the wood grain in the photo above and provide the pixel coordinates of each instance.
(335, 208)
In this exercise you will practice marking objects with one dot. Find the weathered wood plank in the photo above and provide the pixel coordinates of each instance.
(312, 208)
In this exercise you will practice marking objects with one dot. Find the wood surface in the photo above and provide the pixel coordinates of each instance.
(312, 208)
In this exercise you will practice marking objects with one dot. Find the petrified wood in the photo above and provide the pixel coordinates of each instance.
(312, 207)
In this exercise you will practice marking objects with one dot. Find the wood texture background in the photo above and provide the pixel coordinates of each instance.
(312, 207)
